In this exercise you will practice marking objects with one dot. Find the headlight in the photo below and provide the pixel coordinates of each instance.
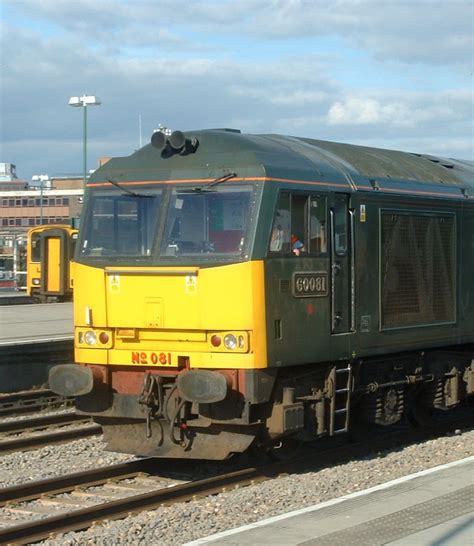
(90, 337)
(230, 342)
(36, 282)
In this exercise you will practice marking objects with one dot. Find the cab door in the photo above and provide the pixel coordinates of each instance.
(342, 266)
(54, 262)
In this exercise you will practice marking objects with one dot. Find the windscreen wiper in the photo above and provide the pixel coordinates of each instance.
(126, 190)
(206, 187)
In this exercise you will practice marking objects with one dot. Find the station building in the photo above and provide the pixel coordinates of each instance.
(56, 200)
(23, 205)
(58, 203)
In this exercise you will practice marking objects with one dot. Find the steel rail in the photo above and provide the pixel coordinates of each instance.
(65, 484)
(81, 519)
(44, 421)
(35, 442)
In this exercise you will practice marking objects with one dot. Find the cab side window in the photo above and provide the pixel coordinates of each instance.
(299, 225)
(280, 236)
(318, 239)
(36, 247)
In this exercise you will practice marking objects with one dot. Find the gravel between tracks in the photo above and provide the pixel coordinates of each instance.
(56, 460)
(183, 522)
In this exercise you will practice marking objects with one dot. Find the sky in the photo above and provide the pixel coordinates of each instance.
(392, 74)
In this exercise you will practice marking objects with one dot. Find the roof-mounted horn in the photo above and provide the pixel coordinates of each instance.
(177, 140)
(176, 143)
(158, 140)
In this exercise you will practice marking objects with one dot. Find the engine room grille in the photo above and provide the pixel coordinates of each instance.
(417, 269)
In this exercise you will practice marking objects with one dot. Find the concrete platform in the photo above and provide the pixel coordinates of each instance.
(25, 324)
(33, 338)
(14, 297)
(434, 507)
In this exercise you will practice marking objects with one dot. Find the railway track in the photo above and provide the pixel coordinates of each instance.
(41, 422)
(83, 518)
(24, 443)
(31, 401)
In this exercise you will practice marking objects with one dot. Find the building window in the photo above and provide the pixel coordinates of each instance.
(17, 221)
(11, 202)
(5, 222)
(5, 203)
(24, 202)
(51, 202)
(31, 202)
(11, 221)
(18, 202)
(59, 201)
(65, 201)
(37, 202)
(31, 221)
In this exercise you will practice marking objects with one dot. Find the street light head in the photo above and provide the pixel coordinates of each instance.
(40, 178)
(84, 100)
(90, 100)
(75, 101)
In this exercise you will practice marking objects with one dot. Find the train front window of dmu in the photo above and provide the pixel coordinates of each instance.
(120, 224)
(208, 223)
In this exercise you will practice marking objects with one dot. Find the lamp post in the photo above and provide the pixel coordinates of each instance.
(84, 102)
(44, 180)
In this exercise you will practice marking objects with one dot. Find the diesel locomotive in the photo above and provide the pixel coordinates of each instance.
(233, 289)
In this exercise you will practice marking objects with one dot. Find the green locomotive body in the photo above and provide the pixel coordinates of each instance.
(364, 267)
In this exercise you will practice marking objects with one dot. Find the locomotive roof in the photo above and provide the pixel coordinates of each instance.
(294, 157)
(382, 163)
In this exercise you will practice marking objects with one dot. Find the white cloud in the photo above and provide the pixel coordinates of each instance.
(411, 31)
(262, 66)
(367, 111)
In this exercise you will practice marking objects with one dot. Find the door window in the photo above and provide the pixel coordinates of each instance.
(340, 228)
(299, 225)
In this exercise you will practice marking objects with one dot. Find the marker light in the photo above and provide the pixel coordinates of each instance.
(216, 341)
(230, 342)
(104, 338)
(90, 337)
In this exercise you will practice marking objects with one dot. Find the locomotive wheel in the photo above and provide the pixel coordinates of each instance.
(423, 415)
(422, 411)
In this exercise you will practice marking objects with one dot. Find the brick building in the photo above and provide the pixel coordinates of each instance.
(59, 203)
